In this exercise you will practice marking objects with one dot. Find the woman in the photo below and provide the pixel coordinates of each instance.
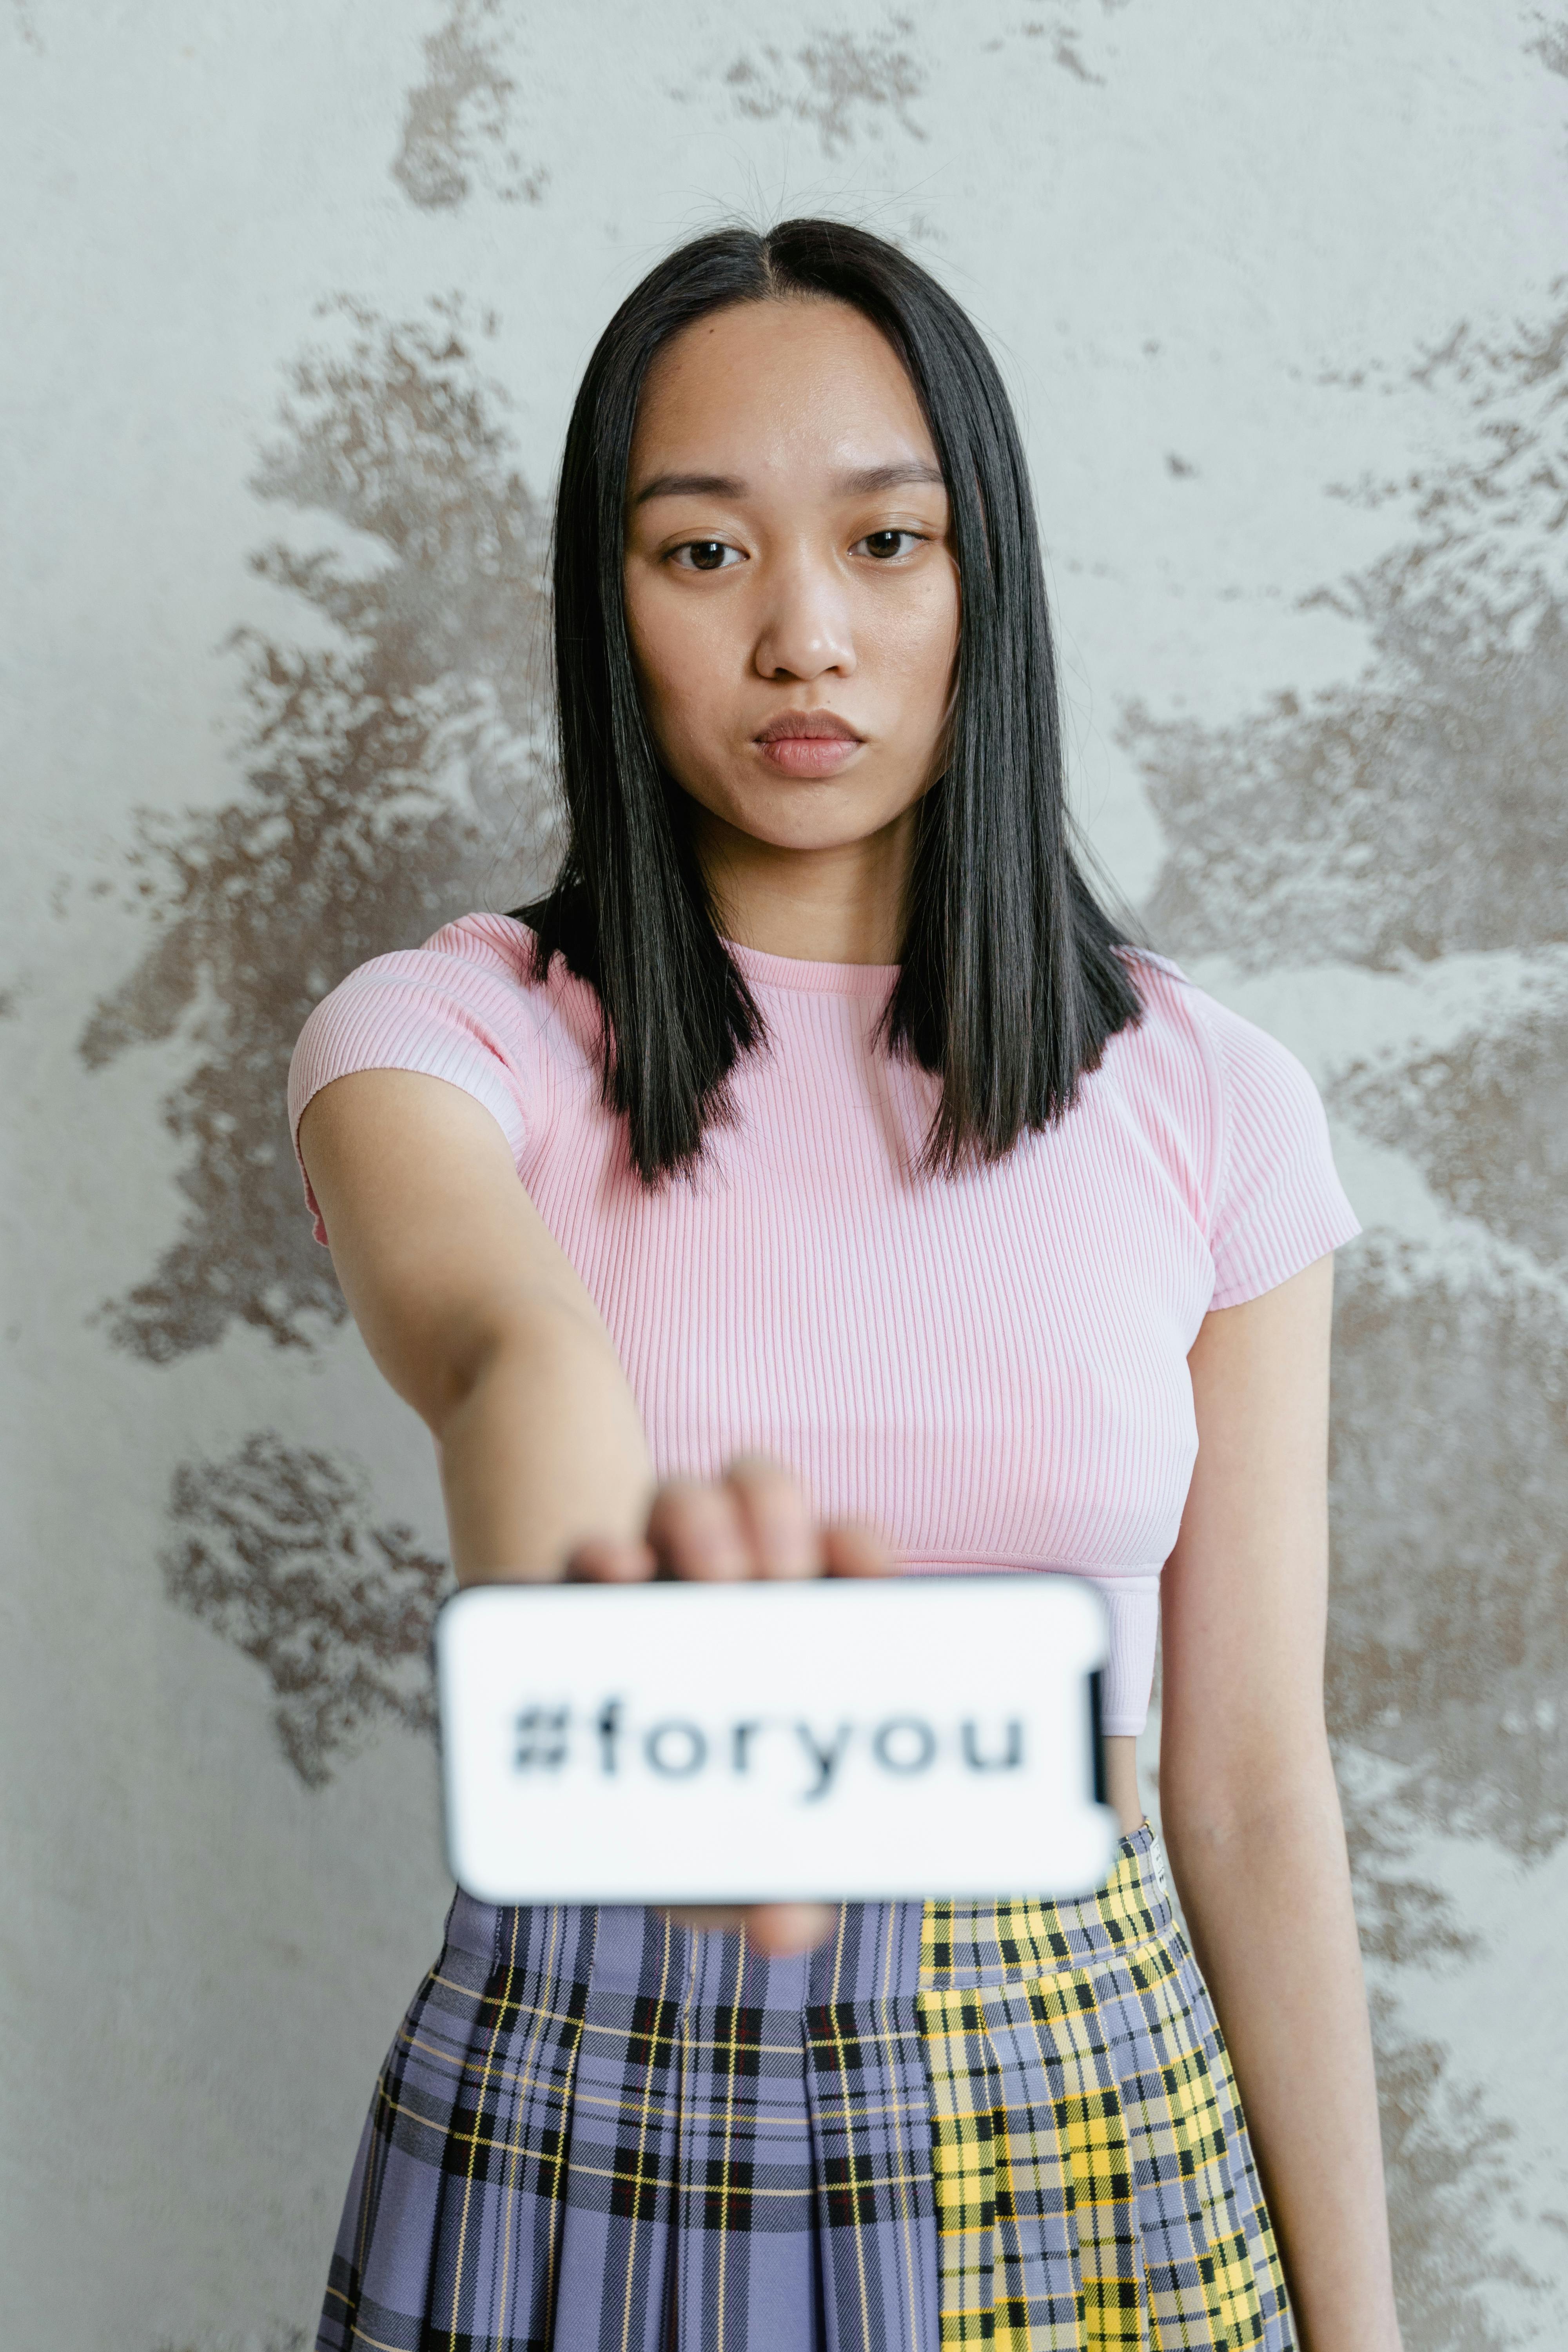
(879, 1206)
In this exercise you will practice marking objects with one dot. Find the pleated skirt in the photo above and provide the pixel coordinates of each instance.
(1011, 2124)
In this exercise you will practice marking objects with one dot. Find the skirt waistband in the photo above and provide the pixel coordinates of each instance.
(879, 1950)
(964, 1943)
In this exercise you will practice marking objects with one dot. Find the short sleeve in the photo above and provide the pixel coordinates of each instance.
(1279, 1203)
(455, 1009)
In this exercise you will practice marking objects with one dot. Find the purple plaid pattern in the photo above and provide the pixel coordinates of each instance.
(599, 2132)
(603, 2134)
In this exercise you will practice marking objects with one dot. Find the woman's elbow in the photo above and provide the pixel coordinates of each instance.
(533, 1342)
(1253, 1780)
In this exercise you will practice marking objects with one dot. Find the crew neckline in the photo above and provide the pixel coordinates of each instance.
(813, 978)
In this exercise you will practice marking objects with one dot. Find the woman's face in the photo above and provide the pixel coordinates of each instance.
(791, 589)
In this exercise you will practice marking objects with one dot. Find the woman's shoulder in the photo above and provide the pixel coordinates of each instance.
(465, 1006)
(1249, 1112)
(497, 945)
(481, 968)
(1193, 1040)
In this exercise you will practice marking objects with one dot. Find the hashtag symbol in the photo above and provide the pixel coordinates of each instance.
(541, 1739)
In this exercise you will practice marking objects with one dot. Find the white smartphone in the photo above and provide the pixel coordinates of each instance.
(841, 1739)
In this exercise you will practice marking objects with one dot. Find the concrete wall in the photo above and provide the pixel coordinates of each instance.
(295, 299)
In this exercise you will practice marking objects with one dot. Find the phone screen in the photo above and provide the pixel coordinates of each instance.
(835, 1740)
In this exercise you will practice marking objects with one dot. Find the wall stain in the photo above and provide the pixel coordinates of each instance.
(1419, 810)
(274, 1550)
(1483, 1119)
(1550, 46)
(1449, 1644)
(1447, 2157)
(1415, 814)
(1064, 36)
(1066, 29)
(1447, 2162)
(390, 783)
(1403, 1922)
(456, 122)
(838, 83)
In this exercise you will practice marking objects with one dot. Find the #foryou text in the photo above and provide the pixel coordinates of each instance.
(814, 1758)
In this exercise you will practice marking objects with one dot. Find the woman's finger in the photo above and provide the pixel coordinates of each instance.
(610, 1560)
(777, 1519)
(851, 1549)
(776, 1930)
(779, 1931)
(696, 1531)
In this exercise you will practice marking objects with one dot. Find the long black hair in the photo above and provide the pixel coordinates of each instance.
(1010, 981)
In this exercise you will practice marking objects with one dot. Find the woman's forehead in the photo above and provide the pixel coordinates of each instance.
(798, 384)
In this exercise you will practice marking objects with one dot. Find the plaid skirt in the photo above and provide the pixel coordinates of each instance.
(1011, 2124)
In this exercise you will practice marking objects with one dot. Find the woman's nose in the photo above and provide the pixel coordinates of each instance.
(805, 630)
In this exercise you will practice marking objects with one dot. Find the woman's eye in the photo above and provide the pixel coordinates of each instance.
(885, 543)
(705, 555)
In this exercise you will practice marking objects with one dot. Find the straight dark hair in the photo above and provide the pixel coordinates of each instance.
(1010, 981)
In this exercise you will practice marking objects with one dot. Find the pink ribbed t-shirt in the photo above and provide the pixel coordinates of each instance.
(992, 1368)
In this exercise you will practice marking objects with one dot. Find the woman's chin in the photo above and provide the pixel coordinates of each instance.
(808, 816)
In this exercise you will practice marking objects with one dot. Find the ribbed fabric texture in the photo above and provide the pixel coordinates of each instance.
(990, 1369)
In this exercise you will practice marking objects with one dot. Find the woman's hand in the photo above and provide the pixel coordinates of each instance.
(753, 1522)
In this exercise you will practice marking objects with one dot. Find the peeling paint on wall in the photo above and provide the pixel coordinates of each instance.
(1485, 1118)
(1417, 814)
(1065, 38)
(1063, 33)
(1452, 2161)
(275, 1551)
(843, 86)
(1551, 45)
(1449, 1650)
(458, 124)
(390, 784)
(1447, 2159)
(1419, 811)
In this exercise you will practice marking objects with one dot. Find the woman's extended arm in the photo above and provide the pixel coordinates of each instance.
(1249, 1809)
(473, 1312)
(481, 1322)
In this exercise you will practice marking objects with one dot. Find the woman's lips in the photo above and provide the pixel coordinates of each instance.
(810, 755)
(807, 743)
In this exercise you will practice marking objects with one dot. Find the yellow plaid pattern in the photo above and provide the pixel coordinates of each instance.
(1094, 2187)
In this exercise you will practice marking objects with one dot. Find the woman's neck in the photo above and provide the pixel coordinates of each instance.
(839, 905)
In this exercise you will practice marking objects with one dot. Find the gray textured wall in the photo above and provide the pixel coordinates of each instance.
(295, 298)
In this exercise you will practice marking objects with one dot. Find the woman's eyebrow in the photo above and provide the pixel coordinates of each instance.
(867, 478)
(691, 485)
(860, 482)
